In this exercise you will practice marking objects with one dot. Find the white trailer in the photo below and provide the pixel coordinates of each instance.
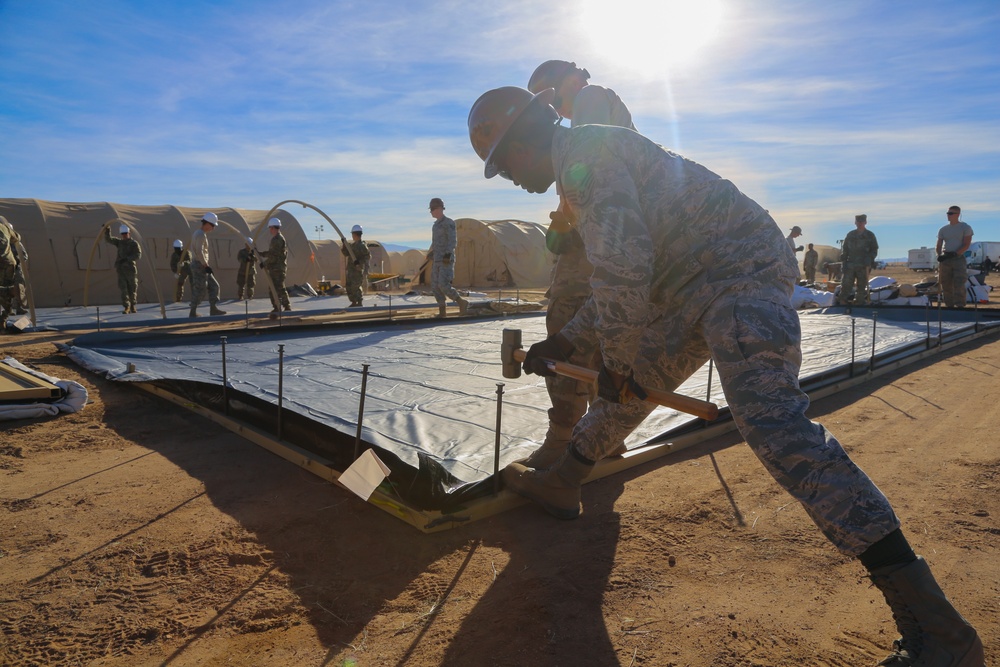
(922, 259)
(978, 252)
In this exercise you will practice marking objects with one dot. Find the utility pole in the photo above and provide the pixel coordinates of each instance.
(319, 231)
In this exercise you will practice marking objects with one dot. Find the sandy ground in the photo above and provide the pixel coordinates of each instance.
(135, 533)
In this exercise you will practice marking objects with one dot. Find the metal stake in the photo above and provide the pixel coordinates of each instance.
(853, 323)
(496, 444)
(225, 378)
(361, 410)
(708, 391)
(927, 317)
(281, 389)
(940, 325)
(246, 313)
(871, 364)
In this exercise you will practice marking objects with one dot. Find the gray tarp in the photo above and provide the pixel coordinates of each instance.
(432, 387)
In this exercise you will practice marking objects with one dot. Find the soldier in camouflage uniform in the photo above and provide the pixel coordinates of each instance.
(583, 104)
(688, 268)
(18, 294)
(129, 253)
(246, 275)
(809, 264)
(276, 264)
(444, 238)
(7, 267)
(357, 268)
(180, 264)
(858, 257)
(202, 275)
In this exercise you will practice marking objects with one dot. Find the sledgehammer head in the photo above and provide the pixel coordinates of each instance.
(511, 343)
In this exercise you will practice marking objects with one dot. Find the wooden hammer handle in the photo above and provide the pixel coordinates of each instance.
(692, 406)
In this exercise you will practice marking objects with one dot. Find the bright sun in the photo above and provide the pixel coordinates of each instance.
(650, 36)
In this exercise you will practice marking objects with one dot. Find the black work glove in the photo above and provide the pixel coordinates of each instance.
(208, 270)
(799, 249)
(357, 263)
(553, 348)
(609, 389)
(262, 265)
(947, 255)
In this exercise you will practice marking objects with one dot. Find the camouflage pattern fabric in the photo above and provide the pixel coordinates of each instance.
(246, 275)
(809, 265)
(203, 284)
(858, 253)
(276, 265)
(854, 286)
(6, 293)
(129, 253)
(355, 275)
(444, 238)
(687, 268)
(180, 264)
(953, 276)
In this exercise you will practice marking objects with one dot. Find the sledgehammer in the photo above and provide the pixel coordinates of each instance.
(512, 355)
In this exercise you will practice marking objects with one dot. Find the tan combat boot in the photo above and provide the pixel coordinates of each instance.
(442, 311)
(553, 447)
(463, 305)
(556, 489)
(933, 633)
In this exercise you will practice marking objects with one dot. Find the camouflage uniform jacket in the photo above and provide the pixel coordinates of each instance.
(444, 238)
(860, 248)
(129, 251)
(7, 251)
(593, 105)
(663, 234)
(276, 255)
(361, 254)
(178, 265)
(245, 257)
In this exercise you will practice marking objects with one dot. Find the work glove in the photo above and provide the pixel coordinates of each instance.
(620, 389)
(208, 270)
(947, 255)
(553, 348)
(800, 248)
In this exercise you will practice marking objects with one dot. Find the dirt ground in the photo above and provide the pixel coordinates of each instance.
(136, 533)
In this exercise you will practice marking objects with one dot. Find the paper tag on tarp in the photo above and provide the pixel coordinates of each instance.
(365, 474)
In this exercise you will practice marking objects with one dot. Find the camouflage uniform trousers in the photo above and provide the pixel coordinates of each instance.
(953, 275)
(278, 278)
(6, 295)
(442, 275)
(755, 343)
(246, 280)
(355, 280)
(855, 283)
(128, 284)
(183, 273)
(202, 282)
(19, 296)
(569, 397)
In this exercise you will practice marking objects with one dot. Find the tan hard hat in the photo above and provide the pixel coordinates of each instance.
(494, 113)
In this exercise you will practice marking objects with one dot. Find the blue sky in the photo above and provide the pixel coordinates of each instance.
(816, 110)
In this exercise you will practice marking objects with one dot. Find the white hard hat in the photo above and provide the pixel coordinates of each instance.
(356, 228)
(211, 219)
(123, 229)
(274, 222)
(178, 243)
(249, 241)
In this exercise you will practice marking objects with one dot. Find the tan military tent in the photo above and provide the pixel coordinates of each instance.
(59, 238)
(330, 261)
(500, 253)
(407, 263)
